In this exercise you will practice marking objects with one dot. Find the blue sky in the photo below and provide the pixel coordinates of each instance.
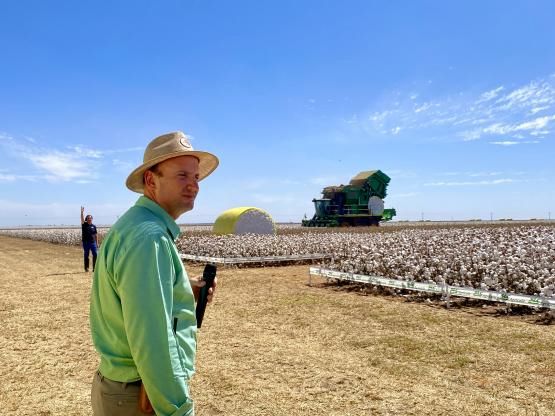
(454, 101)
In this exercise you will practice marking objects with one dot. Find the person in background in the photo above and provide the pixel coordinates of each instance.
(89, 238)
(142, 313)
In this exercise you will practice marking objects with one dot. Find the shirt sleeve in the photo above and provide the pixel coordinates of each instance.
(145, 280)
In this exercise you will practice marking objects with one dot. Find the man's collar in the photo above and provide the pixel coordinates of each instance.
(160, 212)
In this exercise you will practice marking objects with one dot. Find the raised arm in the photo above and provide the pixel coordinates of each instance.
(82, 215)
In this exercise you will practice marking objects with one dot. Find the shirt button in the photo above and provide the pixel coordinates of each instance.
(120, 403)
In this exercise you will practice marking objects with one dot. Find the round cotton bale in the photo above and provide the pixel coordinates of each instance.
(244, 220)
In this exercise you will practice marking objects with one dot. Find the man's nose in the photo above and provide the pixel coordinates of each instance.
(193, 186)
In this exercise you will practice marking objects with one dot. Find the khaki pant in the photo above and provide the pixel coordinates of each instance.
(112, 398)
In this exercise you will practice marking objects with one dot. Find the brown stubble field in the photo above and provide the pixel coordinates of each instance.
(271, 345)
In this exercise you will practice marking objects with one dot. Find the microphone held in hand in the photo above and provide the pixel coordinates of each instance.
(208, 276)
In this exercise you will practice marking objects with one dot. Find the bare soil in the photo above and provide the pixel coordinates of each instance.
(272, 345)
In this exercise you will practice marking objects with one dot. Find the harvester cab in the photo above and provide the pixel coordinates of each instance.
(360, 203)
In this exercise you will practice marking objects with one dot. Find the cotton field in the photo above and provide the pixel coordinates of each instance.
(518, 258)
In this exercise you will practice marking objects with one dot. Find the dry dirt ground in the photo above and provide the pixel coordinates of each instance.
(271, 345)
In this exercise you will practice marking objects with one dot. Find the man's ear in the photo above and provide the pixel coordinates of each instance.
(148, 178)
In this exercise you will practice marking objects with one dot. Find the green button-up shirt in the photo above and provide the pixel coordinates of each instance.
(142, 312)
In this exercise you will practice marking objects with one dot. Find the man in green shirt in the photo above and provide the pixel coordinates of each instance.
(142, 312)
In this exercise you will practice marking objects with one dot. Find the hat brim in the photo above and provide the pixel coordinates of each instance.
(207, 164)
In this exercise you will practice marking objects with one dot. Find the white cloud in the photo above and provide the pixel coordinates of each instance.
(76, 163)
(499, 111)
(10, 177)
(470, 135)
(531, 95)
(506, 143)
(536, 127)
(7, 177)
(85, 152)
(482, 174)
(30, 139)
(539, 133)
(422, 107)
(536, 124)
(472, 183)
(490, 95)
(63, 166)
(538, 109)
(514, 143)
(498, 128)
(380, 116)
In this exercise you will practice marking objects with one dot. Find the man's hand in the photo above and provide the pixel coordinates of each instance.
(82, 210)
(197, 283)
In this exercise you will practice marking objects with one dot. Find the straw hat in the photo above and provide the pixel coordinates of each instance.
(166, 147)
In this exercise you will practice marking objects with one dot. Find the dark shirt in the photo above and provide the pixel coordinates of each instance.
(88, 232)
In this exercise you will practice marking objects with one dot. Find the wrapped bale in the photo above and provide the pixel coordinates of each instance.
(244, 220)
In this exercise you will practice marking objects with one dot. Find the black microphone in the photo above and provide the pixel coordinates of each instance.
(208, 276)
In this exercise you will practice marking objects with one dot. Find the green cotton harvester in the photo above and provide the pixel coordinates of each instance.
(358, 204)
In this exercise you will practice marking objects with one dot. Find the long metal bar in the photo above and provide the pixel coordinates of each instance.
(444, 289)
(265, 259)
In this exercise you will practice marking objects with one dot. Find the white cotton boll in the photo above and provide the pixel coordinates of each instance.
(547, 291)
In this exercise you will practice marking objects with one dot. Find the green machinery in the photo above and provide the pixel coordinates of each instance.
(360, 203)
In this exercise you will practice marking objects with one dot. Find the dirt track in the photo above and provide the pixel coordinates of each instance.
(271, 345)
